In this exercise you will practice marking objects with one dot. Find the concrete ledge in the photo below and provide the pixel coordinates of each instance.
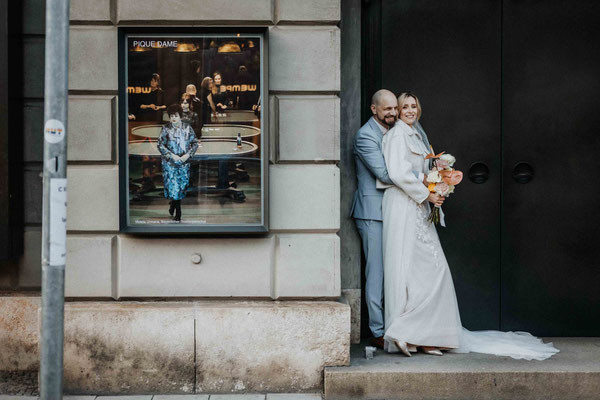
(184, 347)
(574, 373)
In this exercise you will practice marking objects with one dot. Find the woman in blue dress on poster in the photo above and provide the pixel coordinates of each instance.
(177, 144)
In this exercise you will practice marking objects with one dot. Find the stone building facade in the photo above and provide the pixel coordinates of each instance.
(142, 317)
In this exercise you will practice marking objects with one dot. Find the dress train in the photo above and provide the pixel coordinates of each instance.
(518, 345)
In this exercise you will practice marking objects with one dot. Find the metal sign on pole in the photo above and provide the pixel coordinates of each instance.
(54, 223)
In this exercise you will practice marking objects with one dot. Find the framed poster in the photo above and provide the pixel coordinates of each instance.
(192, 132)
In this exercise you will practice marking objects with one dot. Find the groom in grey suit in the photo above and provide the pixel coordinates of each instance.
(366, 208)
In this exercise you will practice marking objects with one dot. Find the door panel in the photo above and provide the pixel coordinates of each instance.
(505, 82)
(551, 120)
(448, 53)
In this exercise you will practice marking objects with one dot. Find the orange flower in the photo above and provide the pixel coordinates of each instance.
(432, 154)
(431, 187)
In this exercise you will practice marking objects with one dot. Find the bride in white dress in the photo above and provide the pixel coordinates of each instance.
(421, 310)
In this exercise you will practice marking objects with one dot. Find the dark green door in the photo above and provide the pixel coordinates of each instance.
(510, 88)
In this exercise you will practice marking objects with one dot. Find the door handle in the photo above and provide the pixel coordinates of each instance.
(522, 172)
(479, 172)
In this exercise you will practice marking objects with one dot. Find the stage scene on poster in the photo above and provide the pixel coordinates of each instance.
(194, 130)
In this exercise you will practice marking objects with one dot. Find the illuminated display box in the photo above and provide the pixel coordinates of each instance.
(192, 132)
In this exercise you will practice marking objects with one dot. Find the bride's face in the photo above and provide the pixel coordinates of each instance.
(408, 111)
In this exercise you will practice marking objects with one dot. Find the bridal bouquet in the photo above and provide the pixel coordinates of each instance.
(442, 179)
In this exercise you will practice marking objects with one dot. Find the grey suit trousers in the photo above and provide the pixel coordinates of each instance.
(371, 234)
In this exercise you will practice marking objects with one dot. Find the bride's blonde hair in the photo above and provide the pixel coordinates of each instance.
(402, 99)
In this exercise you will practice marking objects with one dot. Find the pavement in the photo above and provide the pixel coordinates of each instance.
(267, 396)
(23, 385)
(577, 354)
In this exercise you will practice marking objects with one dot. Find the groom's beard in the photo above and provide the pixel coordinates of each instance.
(388, 122)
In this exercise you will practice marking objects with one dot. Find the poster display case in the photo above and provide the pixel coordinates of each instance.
(192, 132)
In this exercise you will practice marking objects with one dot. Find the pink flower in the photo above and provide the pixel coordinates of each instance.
(442, 188)
(441, 164)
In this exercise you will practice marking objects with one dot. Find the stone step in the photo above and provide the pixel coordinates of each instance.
(574, 373)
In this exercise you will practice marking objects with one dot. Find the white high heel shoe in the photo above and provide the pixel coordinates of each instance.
(403, 347)
(432, 352)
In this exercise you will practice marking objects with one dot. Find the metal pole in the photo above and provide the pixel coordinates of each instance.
(54, 225)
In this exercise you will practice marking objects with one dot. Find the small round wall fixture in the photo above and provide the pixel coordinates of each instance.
(522, 172)
(479, 172)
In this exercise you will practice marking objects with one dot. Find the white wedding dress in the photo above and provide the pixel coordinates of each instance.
(420, 301)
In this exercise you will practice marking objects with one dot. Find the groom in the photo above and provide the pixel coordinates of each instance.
(366, 208)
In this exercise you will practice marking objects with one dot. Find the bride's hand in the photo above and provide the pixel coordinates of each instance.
(436, 199)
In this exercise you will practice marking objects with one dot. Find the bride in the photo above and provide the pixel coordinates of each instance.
(421, 310)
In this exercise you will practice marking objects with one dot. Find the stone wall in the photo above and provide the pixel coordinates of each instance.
(241, 337)
(304, 85)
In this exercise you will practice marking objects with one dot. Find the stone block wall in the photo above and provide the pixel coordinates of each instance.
(246, 284)
(304, 187)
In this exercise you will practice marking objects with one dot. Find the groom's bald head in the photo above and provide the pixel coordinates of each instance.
(381, 95)
(384, 106)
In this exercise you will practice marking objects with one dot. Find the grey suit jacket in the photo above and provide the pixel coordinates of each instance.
(370, 165)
